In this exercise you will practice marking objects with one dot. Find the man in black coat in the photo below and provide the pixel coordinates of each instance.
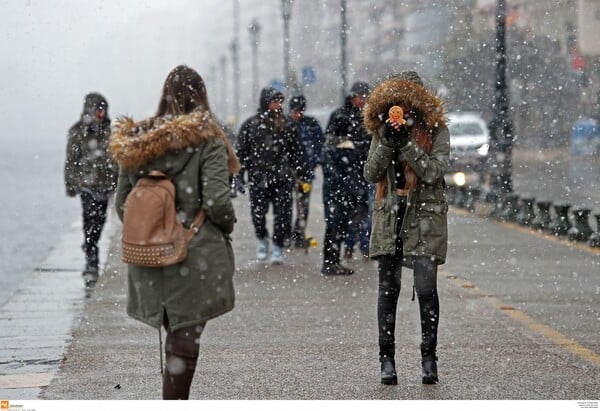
(270, 152)
(345, 192)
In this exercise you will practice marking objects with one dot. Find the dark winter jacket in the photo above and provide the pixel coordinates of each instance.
(311, 137)
(344, 166)
(269, 148)
(88, 166)
(424, 228)
(191, 148)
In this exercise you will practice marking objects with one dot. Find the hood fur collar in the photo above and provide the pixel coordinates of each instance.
(133, 145)
(397, 91)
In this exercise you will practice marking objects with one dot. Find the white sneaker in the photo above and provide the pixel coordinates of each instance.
(262, 249)
(277, 255)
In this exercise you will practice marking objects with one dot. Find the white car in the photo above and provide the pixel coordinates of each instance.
(469, 147)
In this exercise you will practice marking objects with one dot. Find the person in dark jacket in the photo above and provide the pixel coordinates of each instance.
(407, 160)
(270, 152)
(345, 191)
(90, 172)
(184, 141)
(311, 137)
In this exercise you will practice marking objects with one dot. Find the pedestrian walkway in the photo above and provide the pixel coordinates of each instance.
(38, 319)
(519, 320)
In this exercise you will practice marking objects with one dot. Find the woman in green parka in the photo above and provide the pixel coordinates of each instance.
(407, 161)
(184, 141)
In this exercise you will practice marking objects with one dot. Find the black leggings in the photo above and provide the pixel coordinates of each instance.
(182, 348)
(425, 280)
(94, 216)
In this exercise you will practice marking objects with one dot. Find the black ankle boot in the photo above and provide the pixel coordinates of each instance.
(388, 371)
(429, 370)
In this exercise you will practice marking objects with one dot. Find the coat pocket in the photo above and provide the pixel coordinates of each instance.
(432, 219)
(433, 229)
(383, 227)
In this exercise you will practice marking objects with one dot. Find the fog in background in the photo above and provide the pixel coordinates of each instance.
(54, 52)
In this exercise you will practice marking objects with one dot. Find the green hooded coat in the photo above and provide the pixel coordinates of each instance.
(424, 229)
(191, 148)
(88, 165)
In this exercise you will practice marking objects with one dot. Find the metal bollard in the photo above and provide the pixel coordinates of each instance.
(510, 207)
(594, 240)
(581, 230)
(473, 193)
(542, 220)
(526, 213)
(560, 225)
(497, 204)
(450, 193)
(461, 196)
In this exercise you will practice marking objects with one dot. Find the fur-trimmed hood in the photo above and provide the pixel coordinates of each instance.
(133, 145)
(409, 95)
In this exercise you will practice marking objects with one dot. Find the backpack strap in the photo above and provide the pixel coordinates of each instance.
(196, 224)
(157, 173)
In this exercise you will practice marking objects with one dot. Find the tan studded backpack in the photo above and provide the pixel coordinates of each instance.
(153, 236)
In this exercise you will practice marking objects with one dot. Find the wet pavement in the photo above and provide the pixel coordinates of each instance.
(519, 320)
(37, 320)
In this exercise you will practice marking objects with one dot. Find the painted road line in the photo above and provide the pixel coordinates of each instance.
(528, 321)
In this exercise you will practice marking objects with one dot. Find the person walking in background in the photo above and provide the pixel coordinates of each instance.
(345, 191)
(407, 160)
(90, 172)
(184, 141)
(270, 151)
(360, 222)
(311, 137)
(229, 130)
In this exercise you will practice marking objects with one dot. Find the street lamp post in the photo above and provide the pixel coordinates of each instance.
(254, 31)
(343, 58)
(233, 47)
(223, 99)
(286, 14)
(235, 50)
(501, 127)
(213, 79)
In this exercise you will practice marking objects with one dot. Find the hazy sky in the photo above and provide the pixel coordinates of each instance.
(55, 51)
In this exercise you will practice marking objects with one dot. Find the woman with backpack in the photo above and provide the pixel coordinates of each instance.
(184, 142)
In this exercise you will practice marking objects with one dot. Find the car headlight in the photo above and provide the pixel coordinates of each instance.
(459, 179)
(483, 150)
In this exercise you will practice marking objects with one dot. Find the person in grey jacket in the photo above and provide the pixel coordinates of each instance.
(90, 173)
(184, 141)
(407, 161)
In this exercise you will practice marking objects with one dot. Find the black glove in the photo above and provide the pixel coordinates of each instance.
(394, 138)
(72, 191)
